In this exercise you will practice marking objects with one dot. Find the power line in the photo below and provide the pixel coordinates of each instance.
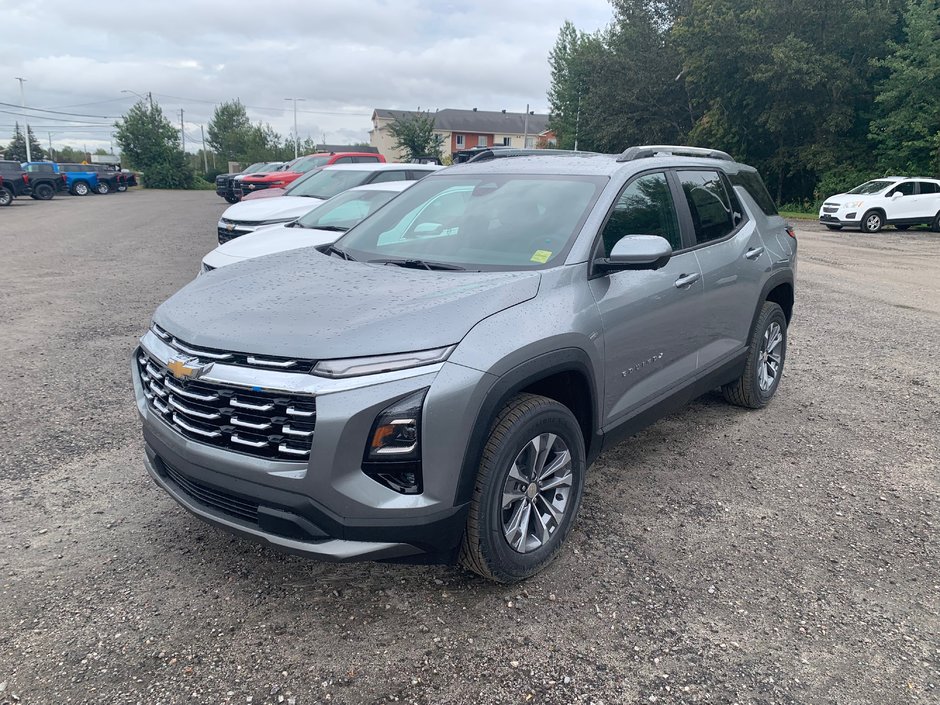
(57, 112)
(96, 102)
(48, 117)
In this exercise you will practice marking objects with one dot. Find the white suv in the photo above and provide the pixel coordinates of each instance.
(894, 200)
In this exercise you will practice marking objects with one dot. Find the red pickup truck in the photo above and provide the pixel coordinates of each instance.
(265, 185)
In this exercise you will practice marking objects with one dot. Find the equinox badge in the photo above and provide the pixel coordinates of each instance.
(187, 367)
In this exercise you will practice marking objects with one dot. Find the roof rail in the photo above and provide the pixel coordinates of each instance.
(501, 153)
(652, 150)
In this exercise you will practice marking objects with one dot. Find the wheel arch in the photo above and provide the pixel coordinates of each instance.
(779, 289)
(565, 376)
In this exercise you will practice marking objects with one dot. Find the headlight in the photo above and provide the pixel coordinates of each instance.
(854, 204)
(356, 366)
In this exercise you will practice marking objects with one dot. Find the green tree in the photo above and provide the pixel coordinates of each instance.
(16, 150)
(907, 133)
(230, 132)
(415, 137)
(149, 142)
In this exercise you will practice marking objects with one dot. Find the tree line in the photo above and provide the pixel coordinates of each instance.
(819, 95)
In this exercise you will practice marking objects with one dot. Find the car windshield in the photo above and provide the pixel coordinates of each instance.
(326, 183)
(871, 187)
(342, 212)
(485, 222)
(257, 166)
(305, 164)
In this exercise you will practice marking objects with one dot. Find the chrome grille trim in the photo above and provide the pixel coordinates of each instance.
(292, 451)
(288, 431)
(244, 441)
(198, 352)
(252, 360)
(192, 412)
(251, 407)
(169, 384)
(192, 429)
(233, 358)
(255, 426)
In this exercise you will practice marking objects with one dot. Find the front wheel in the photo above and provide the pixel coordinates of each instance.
(527, 492)
(872, 222)
(767, 351)
(122, 188)
(6, 197)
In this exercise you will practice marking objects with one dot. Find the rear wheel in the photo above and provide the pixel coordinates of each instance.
(834, 227)
(6, 197)
(767, 351)
(527, 492)
(935, 225)
(43, 192)
(80, 188)
(872, 222)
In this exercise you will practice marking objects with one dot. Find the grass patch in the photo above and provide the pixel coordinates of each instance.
(798, 215)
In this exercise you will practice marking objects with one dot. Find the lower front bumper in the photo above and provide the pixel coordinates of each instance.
(293, 523)
(827, 219)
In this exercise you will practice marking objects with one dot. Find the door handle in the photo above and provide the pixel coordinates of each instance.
(687, 280)
(754, 252)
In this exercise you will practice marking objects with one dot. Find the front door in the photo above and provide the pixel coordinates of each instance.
(650, 318)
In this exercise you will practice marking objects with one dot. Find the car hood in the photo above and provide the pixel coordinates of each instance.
(267, 241)
(303, 303)
(272, 176)
(263, 193)
(266, 208)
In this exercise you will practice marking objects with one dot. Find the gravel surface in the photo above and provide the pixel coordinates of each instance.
(722, 556)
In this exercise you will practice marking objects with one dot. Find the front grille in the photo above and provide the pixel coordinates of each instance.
(213, 498)
(238, 228)
(830, 209)
(263, 424)
(263, 362)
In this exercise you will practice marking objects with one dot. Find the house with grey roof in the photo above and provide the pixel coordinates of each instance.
(463, 129)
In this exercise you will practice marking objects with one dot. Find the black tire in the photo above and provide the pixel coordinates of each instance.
(747, 391)
(43, 192)
(121, 188)
(935, 224)
(6, 196)
(103, 188)
(872, 222)
(232, 199)
(485, 549)
(834, 227)
(80, 188)
(902, 227)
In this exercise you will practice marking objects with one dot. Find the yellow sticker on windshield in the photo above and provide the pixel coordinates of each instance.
(541, 256)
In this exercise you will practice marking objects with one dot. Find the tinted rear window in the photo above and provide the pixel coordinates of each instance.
(751, 182)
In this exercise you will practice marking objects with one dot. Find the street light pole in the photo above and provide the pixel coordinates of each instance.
(296, 136)
(29, 153)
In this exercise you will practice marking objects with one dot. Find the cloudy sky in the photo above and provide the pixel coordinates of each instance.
(344, 57)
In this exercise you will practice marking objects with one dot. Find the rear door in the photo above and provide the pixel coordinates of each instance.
(732, 259)
(650, 318)
(927, 199)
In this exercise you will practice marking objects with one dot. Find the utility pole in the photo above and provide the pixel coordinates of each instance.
(182, 132)
(296, 136)
(50, 147)
(29, 154)
(205, 157)
(525, 136)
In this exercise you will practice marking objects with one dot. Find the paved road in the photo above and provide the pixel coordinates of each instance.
(786, 556)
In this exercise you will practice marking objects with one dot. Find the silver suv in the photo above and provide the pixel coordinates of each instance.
(436, 383)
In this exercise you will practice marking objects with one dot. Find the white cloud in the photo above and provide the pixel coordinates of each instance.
(345, 57)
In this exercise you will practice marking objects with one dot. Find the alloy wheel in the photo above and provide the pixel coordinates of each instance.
(771, 357)
(873, 223)
(536, 494)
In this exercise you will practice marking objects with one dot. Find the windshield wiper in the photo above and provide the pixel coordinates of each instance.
(332, 250)
(330, 228)
(312, 195)
(420, 264)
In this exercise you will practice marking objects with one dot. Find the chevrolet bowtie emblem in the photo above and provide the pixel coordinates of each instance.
(187, 367)
(251, 186)
(230, 227)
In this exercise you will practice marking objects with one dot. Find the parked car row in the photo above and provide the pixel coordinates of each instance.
(265, 179)
(43, 180)
(425, 362)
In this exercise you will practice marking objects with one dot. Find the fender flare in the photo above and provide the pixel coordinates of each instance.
(508, 385)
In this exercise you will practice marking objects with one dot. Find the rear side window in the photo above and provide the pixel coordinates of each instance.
(390, 176)
(751, 182)
(40, 169)
(928, 187)
(709, 204)
(645, 207)
(344, 160)
(365, 160)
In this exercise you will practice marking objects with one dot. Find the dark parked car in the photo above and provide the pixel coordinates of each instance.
(44, 180)
(225, 183)
(15, 182)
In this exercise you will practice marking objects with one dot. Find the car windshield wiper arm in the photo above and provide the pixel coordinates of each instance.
(420, 264)
(330, 228)
(332, 250)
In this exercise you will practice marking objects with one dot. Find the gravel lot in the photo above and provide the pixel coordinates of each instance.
(722, 556)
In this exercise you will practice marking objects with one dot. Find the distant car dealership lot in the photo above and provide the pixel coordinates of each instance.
(780, 556)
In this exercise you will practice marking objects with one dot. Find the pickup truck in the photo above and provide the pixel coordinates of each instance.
(82, 178)
(300, 166)
(44, 180)
(225, 183)
(15, 182)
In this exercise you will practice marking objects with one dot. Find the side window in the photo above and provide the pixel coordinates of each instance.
(344, 160)
(907, 189)
(928, 187)
(754, 185)
(389, 176)
(710, 205)
(645, 207)
(419, 174)
(366, 160)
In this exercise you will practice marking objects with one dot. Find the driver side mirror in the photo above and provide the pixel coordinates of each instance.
(636, 252)
(896, 195)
